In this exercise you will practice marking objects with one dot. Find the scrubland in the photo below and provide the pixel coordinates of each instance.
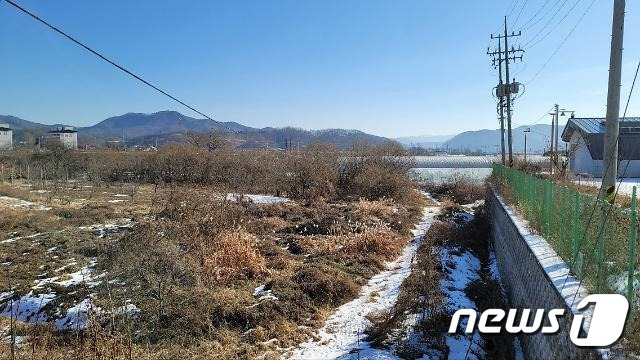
(166, 255)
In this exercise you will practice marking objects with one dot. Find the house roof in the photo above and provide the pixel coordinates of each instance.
(592, 132)
(62, 131)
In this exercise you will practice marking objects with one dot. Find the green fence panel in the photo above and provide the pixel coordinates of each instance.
(633, 238)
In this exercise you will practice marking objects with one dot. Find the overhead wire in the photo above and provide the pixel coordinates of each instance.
(524, 4)
(575, 295)
(535, 14)
(544, 27)
(530, 44)
(564, 40)
(104, 58)
(624, 172)
(542, 17)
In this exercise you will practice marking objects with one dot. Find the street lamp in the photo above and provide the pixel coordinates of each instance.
(527, 130)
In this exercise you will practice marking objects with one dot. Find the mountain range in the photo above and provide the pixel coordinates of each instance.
(171, 126)
(489, 140)
(425, 141)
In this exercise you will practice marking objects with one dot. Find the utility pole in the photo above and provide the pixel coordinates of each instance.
(510, 86)
(557, 127)
(610, 158)
(509, 134)
(501, 101)
(527, 130)
(551, 144)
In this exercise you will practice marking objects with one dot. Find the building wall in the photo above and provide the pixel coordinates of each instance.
(532, 275)
(6, 140)
(581, 161)
(68, 140)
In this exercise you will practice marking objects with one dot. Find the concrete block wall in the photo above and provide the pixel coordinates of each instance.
(535, 277)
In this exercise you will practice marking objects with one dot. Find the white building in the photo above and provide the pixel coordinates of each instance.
(586, 146)
(6, 137)
(65, 135)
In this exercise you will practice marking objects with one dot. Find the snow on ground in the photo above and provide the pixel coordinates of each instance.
(263, 294)
(257, 199)
(619, 283)
(11, 202)
(461, 267)
(104, 229)
(30, 307)
(14, 239)
(626, 185)
(76, 317)
(569, 286)
(341, 336)
(27, 308)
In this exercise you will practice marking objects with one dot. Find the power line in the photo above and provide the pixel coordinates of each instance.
(624, 173)
(519, 13)
(562, 42)
(86, 47)
(515, 4)
(545, 15)
(546, 24)
(535, 14)
(539, 119)
(530, 44)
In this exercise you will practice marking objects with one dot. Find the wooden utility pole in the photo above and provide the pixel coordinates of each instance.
(610, 158)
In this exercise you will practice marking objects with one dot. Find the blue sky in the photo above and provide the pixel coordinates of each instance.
(393, 68)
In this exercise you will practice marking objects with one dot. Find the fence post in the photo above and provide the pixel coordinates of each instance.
(563, 225)
(551, 210)
(576, 226)
(633, 237)
(547, 221)
(600, 254)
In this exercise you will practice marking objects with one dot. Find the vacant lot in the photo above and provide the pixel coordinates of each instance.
(182, 264)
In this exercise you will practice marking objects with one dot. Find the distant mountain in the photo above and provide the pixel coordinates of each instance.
(489, 140)
(171, 126)
(134, 125)
(23, 129)
(427, 141)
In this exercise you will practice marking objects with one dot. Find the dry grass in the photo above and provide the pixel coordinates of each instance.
(234, 254)
(461, 190)
(193, 260)
(377, 241)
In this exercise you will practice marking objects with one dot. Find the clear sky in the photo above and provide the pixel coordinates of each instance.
(393, 68)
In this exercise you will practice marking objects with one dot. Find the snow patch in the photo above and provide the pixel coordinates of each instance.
(257, 199)
(342, 333)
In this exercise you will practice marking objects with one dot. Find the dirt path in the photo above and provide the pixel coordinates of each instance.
(342, 335)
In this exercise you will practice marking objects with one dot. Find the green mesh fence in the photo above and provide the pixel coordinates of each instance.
(596, 239)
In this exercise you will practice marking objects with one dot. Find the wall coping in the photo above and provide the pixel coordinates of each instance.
(567, 286)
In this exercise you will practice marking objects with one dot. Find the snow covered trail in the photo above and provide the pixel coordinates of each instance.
(342, 334)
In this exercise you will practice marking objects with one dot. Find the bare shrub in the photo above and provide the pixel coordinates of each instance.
(312, 173)
(234, 255)
(377, 241)
(324, 285)
(461, 189)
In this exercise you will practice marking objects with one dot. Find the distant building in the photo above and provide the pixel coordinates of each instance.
(65, 135)
(6, 137)
(586, 146)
